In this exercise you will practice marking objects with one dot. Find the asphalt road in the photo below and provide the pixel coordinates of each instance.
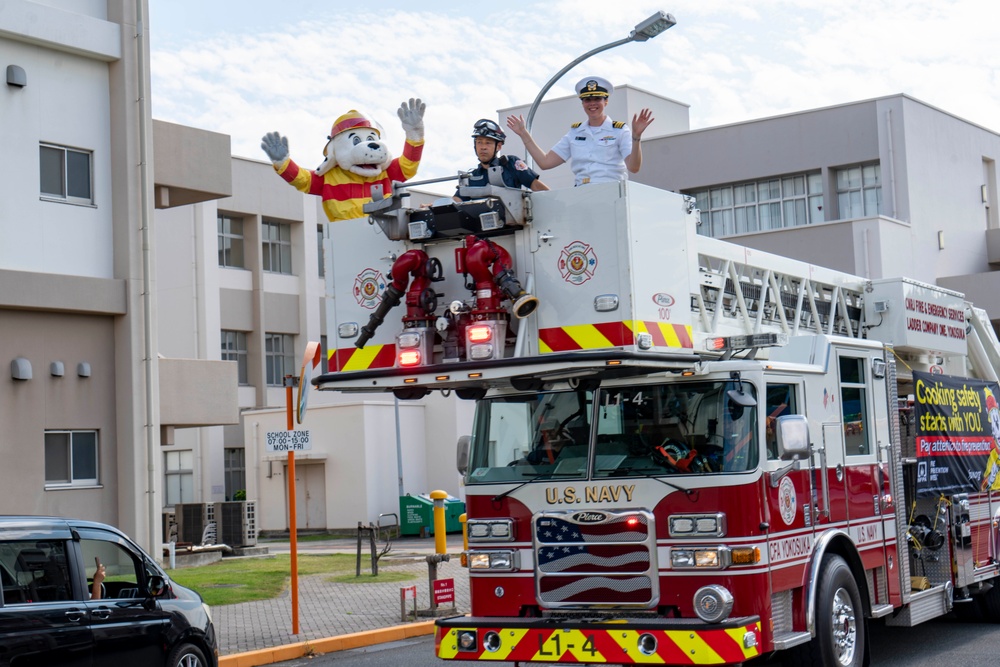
(945, 642)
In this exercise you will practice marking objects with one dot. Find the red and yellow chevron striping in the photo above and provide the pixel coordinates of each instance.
(718, 646)
(612, 334)
(353, 359)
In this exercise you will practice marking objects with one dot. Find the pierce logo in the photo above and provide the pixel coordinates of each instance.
(577, 263)
(589, 517)
(663, 300)
(368, 288)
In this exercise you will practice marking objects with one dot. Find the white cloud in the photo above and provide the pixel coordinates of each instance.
(295, 69)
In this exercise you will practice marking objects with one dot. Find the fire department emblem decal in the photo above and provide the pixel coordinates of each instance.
(786, 500)
(577, 262)
(368, 288)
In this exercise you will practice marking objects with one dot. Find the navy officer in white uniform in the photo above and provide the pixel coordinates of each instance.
(600, 150)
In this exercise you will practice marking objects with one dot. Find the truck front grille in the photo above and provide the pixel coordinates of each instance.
(605, 558)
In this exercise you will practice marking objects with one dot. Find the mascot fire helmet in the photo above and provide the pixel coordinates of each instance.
(485, 127)
(351, 120)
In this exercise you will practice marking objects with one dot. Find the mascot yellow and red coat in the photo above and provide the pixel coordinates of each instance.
(356, 159)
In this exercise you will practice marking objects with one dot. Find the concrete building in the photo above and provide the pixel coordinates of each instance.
(86, 396)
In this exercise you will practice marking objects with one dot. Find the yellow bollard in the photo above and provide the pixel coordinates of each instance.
(465, 539)
(440, 537)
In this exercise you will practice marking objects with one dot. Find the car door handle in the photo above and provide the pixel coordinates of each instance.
(101, 613)
(74, 615)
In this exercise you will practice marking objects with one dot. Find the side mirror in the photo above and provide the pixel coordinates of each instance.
(462, 455)
(793, 437)
(156, 586)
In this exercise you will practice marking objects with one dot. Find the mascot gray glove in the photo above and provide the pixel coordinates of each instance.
(411, 115)
(276, 147)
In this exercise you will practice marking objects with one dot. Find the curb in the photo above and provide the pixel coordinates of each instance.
(269, 656)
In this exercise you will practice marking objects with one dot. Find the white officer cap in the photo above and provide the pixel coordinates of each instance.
(593, 86)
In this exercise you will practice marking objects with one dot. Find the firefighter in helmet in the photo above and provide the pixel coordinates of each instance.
(487, 140)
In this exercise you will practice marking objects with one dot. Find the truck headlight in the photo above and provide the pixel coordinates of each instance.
(494, 530)
(697, 525)
(711, 558)
(506, 561)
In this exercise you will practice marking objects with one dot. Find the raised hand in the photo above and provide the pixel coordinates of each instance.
(276, 147)
(411, 116)
(517, 126)
(641, 122)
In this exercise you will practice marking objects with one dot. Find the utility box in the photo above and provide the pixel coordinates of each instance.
(416, 513)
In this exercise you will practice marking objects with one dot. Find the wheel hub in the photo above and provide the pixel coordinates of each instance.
(845, 627)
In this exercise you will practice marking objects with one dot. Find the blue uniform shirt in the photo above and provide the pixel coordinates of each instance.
(515, 173)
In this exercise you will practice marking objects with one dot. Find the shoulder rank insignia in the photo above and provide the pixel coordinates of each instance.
(618, 124)
(576, 125)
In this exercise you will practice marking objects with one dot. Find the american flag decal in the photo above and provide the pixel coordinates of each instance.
(591, 557)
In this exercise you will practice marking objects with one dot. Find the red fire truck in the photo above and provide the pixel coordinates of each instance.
(684, 451)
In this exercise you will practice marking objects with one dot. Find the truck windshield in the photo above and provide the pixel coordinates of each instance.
(680, 428)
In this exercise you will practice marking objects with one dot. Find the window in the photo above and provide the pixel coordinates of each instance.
(65, 173)
(278, 358)
(122, 570)
(71, 458)
(35, 571)
(854, 405)
(276, 239)
(231, 242)
(859, 191)
(234, 348)
(178, 472)
(780, 401)
(234, 461)
(775, 203)
(319, 249)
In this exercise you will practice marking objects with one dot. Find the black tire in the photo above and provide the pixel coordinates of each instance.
(989, 603)
(187, 655)
(840, 621)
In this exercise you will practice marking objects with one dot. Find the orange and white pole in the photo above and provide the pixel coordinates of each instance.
(292, 523)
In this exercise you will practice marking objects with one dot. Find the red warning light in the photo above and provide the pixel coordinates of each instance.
(409, 358)
(479, 334)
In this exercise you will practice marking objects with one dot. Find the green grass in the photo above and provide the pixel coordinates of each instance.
(248, 579)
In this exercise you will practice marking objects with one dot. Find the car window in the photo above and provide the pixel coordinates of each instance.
(122, 570)
(34, 571)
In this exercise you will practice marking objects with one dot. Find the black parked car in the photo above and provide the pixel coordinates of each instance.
(47, 616)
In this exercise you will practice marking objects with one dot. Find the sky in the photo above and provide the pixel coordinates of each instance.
(249, 67)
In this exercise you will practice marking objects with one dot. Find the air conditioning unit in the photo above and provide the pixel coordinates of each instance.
(192, 518)
(169, 526)
(237, 523)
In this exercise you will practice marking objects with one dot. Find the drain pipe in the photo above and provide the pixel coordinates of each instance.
(147, 299)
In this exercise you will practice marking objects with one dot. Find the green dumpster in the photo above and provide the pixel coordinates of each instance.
(453, 508)
(416, 514)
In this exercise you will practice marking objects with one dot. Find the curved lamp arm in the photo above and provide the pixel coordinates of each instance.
(559, 74)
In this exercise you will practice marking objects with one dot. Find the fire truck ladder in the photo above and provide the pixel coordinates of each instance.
(984, 348)
(775, 294)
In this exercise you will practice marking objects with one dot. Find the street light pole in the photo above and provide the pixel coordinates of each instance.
(651, 27)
